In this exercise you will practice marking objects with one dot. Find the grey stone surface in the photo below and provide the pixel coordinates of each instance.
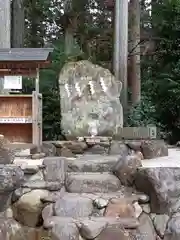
(98, 212)
(12, 230)
(35, 177)
(5, 200)
(103, 106)
(64, 152)
(48, 212)
(91, 229)
(28, 209)
(38, 156)
(100, 203)
(118, 148)
(154, 148)
(47, 148)
(145, 231)
(160, 223)
(40, 184)
(173, 231)
(76, 147)
(30, 170)
(73, 205)
(97, 165)
(98, 149)
(163, 187)
(54, 169)
(65, 231)
(127, 223)
(92, 182)
(55, 220)
(122, 208)
(113, 232)
(143, 198)
(126, 167)
(18, 193)
(117, 229)
(134, 144)
(11, 177)
(146, 208)
(7, 155)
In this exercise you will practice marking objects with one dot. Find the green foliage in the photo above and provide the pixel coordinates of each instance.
(49, 88)
(93, 36)
(142, 114)
(162, 80)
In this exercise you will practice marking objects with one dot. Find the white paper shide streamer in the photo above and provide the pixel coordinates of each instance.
(93, 128)
(67, 90)
(104, 88)
(91, 85)
(77, 87)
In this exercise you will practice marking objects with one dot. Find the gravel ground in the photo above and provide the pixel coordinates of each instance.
(173, 160)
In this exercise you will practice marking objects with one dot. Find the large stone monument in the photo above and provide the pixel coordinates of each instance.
(90, 102)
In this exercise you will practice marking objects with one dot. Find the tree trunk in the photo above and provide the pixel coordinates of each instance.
(121, 49)
(17, 24)
(5, 20)
(5, 30)
(134, 49)
(69, 40)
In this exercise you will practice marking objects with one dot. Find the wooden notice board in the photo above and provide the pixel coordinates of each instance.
(20, 119)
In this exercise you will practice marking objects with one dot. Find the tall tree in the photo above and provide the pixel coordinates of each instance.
(18, 22)
(121, 48)
(75, 18)
(5, 30)
(134, 49)
(36, 22)
(5, 20)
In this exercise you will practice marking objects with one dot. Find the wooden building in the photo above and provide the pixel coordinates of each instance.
(21, 115)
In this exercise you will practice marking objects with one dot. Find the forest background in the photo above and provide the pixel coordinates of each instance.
(84, 29)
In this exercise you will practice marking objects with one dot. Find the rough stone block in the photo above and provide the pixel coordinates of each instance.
(92, 182)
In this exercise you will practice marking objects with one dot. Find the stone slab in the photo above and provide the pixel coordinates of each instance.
(92, 182)
(98, 164)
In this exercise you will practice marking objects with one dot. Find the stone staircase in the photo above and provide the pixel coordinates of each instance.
(79, 198)
(94, 205)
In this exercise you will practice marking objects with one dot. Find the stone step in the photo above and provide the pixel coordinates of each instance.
(88, 157)
(124, 192)
(92, 182)
(89, 228)
(92, 164)
(128, 223)
(28, 162)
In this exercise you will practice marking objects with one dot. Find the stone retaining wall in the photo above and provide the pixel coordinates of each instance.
(106, 146)
(91, 196)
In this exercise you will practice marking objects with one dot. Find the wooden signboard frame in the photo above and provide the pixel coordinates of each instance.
(19, 121)
(21, 115)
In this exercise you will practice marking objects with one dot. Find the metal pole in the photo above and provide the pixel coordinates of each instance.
(121, 48)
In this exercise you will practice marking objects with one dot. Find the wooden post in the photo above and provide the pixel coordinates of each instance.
(37, 81)
(121, 48)
(37, 126)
